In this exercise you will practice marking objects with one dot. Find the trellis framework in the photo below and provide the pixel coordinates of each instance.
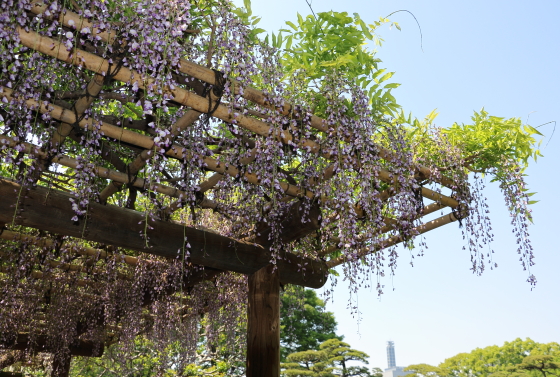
(218, 211)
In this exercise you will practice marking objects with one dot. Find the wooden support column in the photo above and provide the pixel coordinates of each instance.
(263, 328)
(61, 365)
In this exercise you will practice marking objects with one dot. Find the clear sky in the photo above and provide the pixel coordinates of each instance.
(504, 56)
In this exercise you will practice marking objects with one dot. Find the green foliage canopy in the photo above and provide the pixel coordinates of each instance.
(304, 323)
(330, 360)
(517, 358)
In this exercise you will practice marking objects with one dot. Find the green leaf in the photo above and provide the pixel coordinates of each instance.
(289, 42)
(247, 5)
(532, 130)
(392, 85)
(365, 29)
(385, 77)
(292, 25)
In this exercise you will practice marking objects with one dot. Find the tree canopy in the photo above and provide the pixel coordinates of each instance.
(516, 358)
(333, 358)
(304, 322)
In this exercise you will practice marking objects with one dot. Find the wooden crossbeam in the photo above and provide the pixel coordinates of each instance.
(103, 172)
(143, 157)
(51, 210)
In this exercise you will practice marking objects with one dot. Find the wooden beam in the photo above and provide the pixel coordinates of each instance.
(263, 327)
(396, 239)
(51, 210)
(69, 19)
(293, 228)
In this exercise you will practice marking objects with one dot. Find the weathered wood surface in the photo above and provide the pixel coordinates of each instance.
(51, 210)
(263, 327)
(293, 228)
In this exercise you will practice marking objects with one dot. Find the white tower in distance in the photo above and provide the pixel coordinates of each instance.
(393, 370)
(391, 354)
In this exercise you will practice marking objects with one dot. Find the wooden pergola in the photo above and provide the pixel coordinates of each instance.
(49, 209)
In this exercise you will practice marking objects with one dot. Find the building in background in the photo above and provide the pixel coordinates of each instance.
(393, 370)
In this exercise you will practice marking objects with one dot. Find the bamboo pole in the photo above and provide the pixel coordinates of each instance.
(389, 225)
(146, 142)
(426, 227)
(121, 177)
(176, 151)
(64, 129)
(210, 183)
(44, 276)
(143, 157)
(96, 64)
(106, 173)
(254, 95)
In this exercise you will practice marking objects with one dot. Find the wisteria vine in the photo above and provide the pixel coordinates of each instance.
(359, 165)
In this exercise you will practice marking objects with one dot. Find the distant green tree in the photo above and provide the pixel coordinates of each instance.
(482, 362)
(423, 370)
(519, 358)
(510, 373)
(376, 372)
(304, 322)
(330, 360)
(543, 364)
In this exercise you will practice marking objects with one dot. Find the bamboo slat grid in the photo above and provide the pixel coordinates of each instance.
(144, 144)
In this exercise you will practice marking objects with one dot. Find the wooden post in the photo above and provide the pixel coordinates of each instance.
(61, 364)
(263, 328)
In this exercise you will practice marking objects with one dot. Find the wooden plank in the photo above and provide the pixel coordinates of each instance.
(51, 210)
(263, 327)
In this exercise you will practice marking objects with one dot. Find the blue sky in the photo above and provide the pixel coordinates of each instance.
(501, 55)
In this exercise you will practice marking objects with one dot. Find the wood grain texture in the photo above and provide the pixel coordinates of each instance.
(263, 327)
